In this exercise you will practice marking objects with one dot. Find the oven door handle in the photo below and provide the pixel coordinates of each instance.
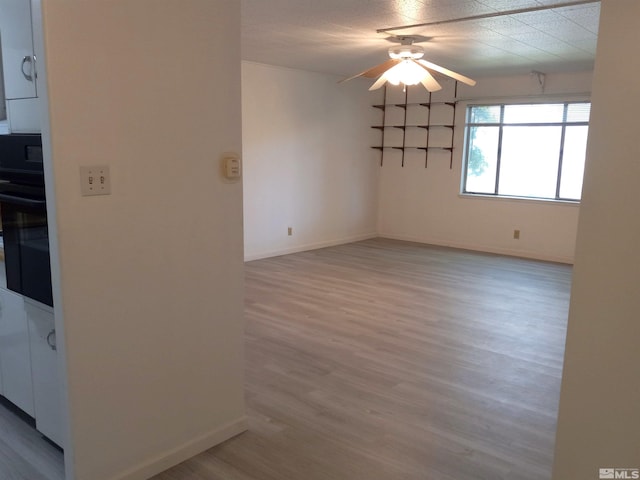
(22, 201)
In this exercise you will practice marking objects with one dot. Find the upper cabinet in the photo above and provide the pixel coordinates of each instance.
(21, 41)
(18, 58)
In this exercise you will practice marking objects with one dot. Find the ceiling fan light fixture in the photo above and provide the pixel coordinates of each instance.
(404, 52)
(406, 66)
(405, 72)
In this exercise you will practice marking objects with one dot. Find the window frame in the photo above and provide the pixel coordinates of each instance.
(501, 125)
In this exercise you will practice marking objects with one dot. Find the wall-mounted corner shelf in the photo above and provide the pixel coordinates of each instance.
(427, 126)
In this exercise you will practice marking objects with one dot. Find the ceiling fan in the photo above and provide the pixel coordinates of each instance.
(406, 66)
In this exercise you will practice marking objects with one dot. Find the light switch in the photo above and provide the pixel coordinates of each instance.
(95, 180)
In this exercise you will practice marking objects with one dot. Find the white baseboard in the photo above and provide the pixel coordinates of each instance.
(428, 241)
(185, 451)
(483, 248)
(308, 246)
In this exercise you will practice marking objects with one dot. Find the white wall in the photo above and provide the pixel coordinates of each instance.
(599, 417)
(307, 161)
(149, 289)
(423, 204)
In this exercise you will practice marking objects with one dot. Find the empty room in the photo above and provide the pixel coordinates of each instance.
(284, 239)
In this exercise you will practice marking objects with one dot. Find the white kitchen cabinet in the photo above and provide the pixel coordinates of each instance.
(16, 37)
(15, 354)
(44, 368)
(21, 41)
(1, 385)
(24, 115)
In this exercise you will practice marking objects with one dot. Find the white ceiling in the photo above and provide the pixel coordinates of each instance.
(339, 36)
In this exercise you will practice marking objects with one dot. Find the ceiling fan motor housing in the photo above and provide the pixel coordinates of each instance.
(404, 52)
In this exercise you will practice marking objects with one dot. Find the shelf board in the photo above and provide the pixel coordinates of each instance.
(402, 127)
(427, 104)
(448, 149)
(427, 127)
(417, 104)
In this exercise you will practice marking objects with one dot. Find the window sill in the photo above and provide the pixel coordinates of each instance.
(503, 198)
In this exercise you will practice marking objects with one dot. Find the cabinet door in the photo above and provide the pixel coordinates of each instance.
(1, 384)
(24, 115)
(16, 38)
(15, 358)
(44, 367)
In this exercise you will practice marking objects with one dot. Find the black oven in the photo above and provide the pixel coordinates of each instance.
(23, 211)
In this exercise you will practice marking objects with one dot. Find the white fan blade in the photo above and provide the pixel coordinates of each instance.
(428, 81)
(375, 71)
(447, 72)
(380, 82)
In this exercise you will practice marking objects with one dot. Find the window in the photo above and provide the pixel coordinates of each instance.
(533, 150)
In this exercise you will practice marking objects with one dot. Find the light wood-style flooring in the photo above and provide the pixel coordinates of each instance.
(382, 360)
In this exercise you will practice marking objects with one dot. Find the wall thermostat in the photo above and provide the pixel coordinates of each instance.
(232, 166)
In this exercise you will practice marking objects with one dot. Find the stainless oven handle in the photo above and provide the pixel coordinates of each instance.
(21, 201)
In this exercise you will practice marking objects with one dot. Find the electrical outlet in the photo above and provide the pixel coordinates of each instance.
(516, 234)
(290, 231)
(95, 180)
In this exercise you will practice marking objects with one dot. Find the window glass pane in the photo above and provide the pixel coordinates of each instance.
(540, 113)
(482, 159)
(575, 149)
(578, 112)
(530, 149)
(529, 162)
(485, 114)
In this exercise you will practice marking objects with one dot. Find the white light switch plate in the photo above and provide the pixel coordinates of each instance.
(95, 180)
